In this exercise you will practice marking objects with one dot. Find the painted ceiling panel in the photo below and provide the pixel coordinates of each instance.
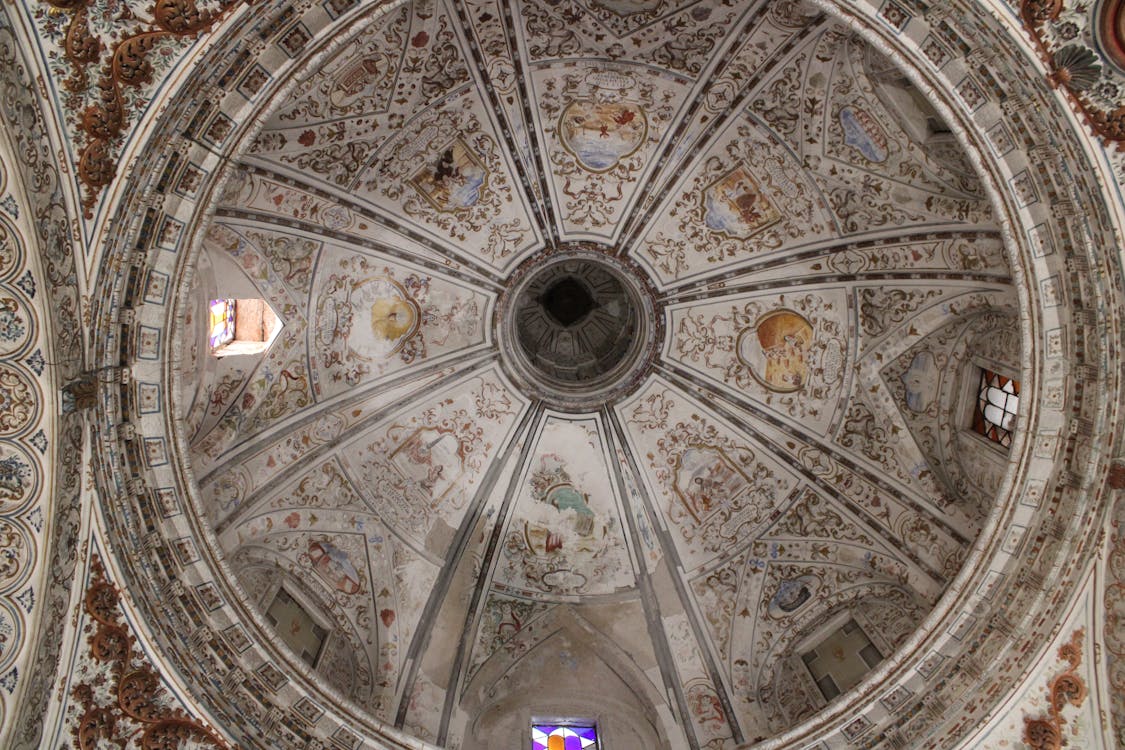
(565, 535)
(743, 198)
(715, 486)
(252, 196)
(245, 471)
(374, 317)
(421, 467)
(787, 351)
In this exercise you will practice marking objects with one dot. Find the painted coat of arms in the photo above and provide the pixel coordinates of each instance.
(600, 134)
(453, 180)
(735, 206)
(776, 350)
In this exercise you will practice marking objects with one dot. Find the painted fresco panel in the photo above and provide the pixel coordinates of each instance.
(713, 487)
(565, 535)
(419, 470)
(788, 353)
(375, 318)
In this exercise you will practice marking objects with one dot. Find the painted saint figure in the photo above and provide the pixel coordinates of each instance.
(453, 180)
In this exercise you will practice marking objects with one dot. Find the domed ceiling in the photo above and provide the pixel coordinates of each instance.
(625, 347)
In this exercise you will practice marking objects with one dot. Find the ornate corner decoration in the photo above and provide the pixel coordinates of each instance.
(1084, 50)
(131, 700)
(1067, 688)
(131, 40)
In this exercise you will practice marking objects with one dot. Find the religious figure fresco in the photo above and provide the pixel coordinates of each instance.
(558, 541)
(776, 350)
(735, 206)
(572, 520)
(430, 459)
(600, 134)
(708, 482)
(453, 180)
(334, 566)
(864, 134)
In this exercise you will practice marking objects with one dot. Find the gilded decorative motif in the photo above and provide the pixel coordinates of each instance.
(127, 64)
(1065, 689)
(1092, 76)
(119, 694)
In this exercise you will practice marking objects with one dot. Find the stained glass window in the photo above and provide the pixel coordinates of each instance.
(564, 737)
(998, 402)
(222, 322)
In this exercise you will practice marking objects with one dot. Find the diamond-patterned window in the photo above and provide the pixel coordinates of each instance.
(564, 737)
(998, 402)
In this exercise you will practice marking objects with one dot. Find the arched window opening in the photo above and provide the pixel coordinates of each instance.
(296, 627)
(564, 736)
(998, 401)
(839, 662)
(241, 326)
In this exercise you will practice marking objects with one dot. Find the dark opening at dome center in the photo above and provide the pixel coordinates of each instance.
(575, 325)
(567, 301)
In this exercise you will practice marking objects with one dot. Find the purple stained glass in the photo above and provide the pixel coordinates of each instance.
(221, 329)
(564, 737)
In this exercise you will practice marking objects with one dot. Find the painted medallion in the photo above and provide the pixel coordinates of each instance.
(600, 134)
(393, 317)
(351, 82)
(453, 179)
(864, 134)
(334, 566)
(734, 205)
(775, 350)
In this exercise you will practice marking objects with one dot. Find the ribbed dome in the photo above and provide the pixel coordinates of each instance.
(623, 360)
